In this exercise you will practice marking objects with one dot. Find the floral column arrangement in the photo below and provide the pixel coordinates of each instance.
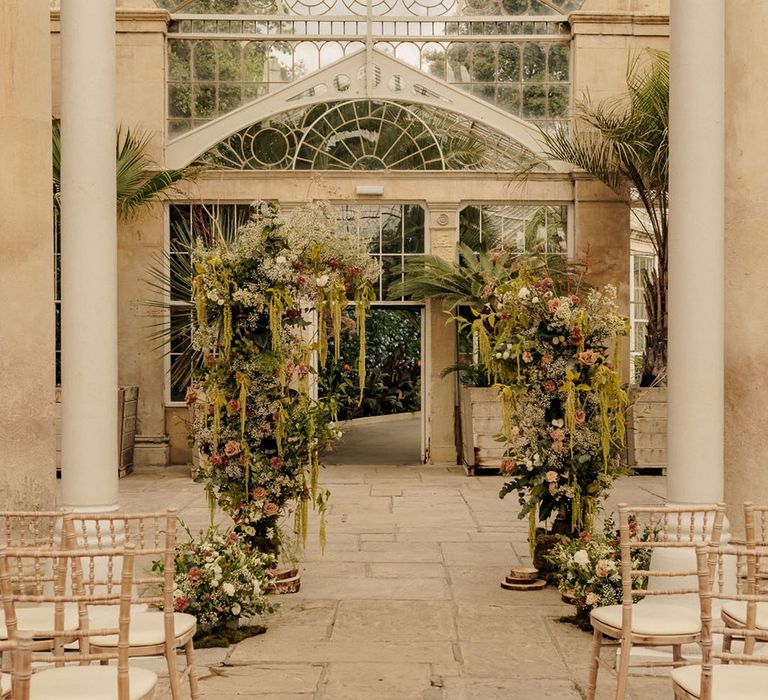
(564, 406)
(257, 426)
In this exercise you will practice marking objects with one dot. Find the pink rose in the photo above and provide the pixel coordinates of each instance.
(550, 387)
(557, 435)
(546, 359)
(575, 300)
(580, 416)
(232, 448)
(181, 604)
(546, 283)
(217, 460)
(303, 370)
(259, 493)
(233, 406)
(508, 465)
(276, 462)
(271, 509)
(588, 357)
(301, 279)
(551, 477)
(527, 357)
(553, 305)
(194, 574)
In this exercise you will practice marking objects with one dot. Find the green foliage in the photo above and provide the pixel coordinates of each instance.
(624, 143)
(393, 377)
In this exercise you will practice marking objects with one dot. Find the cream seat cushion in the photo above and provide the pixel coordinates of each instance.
(146, 628)
(737, 609)
(652, 618)
(40, 618)
(731, 682)
(88, 683)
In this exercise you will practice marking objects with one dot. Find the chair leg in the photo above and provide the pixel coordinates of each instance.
(623, 670)
(189, 651)
(597, 643)
(677, 654)
(173, 669)
(727, 642)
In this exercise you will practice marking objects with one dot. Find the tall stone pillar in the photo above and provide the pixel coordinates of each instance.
(27, 324)
(696, 252)
(89, 256)
(440, 404)
(746, 256)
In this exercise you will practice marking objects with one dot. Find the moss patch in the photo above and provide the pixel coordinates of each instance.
(225, 637)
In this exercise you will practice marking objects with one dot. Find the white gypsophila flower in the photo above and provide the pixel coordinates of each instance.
(581, 558)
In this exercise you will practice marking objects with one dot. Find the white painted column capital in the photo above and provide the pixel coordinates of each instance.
(696, 252)
(89, 256)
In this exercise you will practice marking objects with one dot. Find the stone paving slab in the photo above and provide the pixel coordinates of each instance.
(405, 601)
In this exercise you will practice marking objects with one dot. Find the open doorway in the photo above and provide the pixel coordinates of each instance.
(383, 426)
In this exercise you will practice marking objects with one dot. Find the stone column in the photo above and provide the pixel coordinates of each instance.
(746, 258)
(27, 380)
(440, 344)
(696, 252)
(89, 256)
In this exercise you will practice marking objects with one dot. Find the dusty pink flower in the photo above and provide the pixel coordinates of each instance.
(546, 359)
(303, 370)
(576, 335)
(233, 406)
(549, 386)
(575, 300)
(527, 357)
(194, 574)
(580, 415)
(259, 493)
(271, 509)
(592, 599)
(588, 357)
(546, 283)
(301, 279)
(557, 435)
(181, 604)
(217, 460)
(190, 397)
(601, 568)
(508, 465)
(505, 315)
(551, 476)
(276, 462)
(553, 305)
(232, 448)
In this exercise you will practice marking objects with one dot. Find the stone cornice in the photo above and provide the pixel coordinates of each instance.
(624, 23)
(130, 20)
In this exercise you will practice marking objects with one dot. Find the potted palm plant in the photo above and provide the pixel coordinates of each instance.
(624, 142)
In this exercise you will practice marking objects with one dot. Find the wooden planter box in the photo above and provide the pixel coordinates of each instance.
(647, 428)
(481, 423)
(127, 409)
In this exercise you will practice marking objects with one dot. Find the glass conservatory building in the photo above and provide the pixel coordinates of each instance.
(414, 117)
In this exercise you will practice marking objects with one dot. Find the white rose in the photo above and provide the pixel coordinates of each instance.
(505, 355)
(535, 300)
(280, 259)
(581, 558)
(236, 609)
(524, 293)
(322, 281)
(228, 588)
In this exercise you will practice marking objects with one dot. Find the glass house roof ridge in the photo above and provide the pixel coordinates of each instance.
(351, 79)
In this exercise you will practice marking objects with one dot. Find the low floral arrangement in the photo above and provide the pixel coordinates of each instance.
(589, 567)
(220, 579)
(257, 426)
(546, 345)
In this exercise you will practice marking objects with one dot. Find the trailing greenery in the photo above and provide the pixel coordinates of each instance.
(624, 142)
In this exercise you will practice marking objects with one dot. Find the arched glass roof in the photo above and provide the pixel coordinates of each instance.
(368, 135)
(423, 8)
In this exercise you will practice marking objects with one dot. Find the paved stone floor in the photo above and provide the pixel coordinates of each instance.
(405, 602)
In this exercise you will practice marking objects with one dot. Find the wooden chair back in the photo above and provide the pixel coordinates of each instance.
(713, 565)
(69, 565)
(755, 525)
(153, 535)
(659, 528)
